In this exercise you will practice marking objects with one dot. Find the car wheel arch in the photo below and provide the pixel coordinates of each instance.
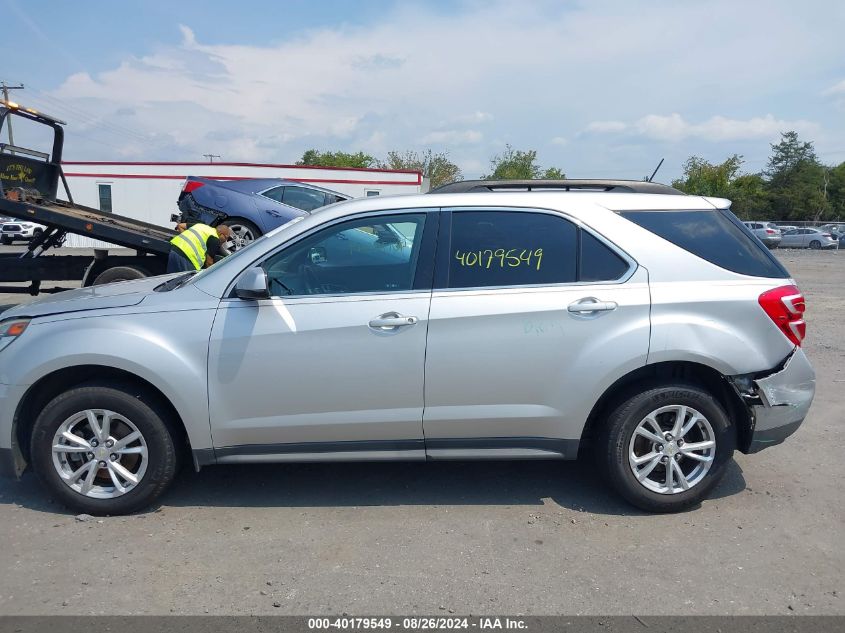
(667, 372)
(59, 381)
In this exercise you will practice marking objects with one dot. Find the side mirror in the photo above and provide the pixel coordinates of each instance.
(317, 255)
(253, 285)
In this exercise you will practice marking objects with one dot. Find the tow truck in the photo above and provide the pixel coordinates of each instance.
(29, 185)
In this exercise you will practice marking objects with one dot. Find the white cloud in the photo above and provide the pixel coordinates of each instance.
(674, 128)
(560, 140)
(453, 137)
(836, 89)
(474, 118)
(386, 85)
(606, 126)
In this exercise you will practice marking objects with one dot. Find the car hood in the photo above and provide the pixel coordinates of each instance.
(117, 295)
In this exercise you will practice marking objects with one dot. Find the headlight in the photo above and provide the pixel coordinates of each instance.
(10, 330)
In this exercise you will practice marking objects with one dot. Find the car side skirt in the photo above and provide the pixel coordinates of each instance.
(395, 450)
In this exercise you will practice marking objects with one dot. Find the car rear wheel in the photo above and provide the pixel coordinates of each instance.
(244, 232)
(664, 449)
(815, 245)
(104, 449)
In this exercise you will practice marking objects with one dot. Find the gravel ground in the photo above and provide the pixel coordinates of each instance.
(521, 537)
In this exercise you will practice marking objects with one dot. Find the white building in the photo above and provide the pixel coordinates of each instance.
(149, 191)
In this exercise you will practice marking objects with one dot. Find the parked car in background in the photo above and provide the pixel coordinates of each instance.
(836, 230)
(19, 231)
(808, 238)
(766, 232)
(250, 207)
(449, 325)
(786, 227)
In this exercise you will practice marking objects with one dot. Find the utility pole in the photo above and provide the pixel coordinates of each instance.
(6, 88)
(211, 157)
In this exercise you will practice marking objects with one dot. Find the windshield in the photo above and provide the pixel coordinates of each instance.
(248, 248)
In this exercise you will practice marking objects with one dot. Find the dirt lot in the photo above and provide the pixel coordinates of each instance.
(522, 537)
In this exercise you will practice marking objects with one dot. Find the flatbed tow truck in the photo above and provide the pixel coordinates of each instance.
(29, 183)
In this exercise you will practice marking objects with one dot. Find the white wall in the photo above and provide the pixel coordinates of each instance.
(149, 191)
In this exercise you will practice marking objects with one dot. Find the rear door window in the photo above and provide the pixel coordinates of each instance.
(275, 193)
(511, 248)
(303, 198)
(598, 261)
(716, 236)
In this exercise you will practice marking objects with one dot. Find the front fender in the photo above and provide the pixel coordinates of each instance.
(169, 350)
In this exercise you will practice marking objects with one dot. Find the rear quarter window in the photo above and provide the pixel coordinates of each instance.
(716, 236)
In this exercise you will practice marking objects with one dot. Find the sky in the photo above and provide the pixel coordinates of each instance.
(600, 88)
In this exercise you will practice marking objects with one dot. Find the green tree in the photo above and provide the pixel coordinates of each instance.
(747, 192)
(515, 164)
(337, 159)
(749, 198)
(553, 173)
(836, 191)
(703, 178)
(797, 182)
(435, 166)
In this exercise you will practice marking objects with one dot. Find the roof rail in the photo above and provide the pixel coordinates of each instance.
(615, 186)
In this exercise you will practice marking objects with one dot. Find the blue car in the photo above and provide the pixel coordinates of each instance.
(251, 207)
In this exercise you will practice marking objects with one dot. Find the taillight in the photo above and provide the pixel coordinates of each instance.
(769, 232)
(827, 235)
(785, 306)
(191, 185)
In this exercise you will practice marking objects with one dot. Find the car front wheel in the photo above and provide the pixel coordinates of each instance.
(104, 449)
(664, 449)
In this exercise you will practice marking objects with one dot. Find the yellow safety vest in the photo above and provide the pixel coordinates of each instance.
(193, 242)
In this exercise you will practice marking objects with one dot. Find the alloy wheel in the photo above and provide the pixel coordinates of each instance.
(672, 449)
(100, 454)
(241, 237)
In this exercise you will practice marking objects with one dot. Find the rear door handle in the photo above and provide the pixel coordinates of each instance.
(591, 304)
(391, 321)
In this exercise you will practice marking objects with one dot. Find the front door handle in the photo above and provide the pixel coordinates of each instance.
(591, 304)
(391, 321)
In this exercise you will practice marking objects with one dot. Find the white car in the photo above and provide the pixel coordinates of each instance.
(19, 231)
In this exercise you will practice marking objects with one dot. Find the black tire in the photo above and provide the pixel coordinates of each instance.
(126, 400)
(119, 273)
(36, 234)
(6, 240)
(815, 245)
(615, 437)
(246, 224)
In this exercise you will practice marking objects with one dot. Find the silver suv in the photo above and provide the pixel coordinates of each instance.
(476, 322)
(766, 232)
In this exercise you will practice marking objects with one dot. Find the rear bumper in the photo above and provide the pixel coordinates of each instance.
(192, 211)
(778, 401)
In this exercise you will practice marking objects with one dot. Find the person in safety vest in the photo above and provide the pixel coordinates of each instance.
(197, 246)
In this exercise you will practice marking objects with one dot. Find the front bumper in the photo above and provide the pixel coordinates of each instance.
(778, 401)
(12, 462)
